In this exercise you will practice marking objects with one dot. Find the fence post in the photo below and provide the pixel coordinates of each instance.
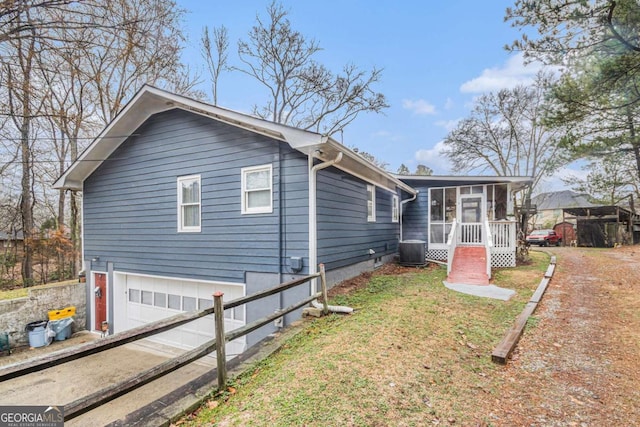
(323, 285)
(218, 313)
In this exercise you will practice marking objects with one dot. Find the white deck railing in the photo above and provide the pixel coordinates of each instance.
(470, 233)
(498, 237)
(488, 245)
(504, 234)
(452, 242)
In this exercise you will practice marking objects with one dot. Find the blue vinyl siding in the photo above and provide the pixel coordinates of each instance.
(130, 202)
(415, 217)
(344, 234)
(295, 209)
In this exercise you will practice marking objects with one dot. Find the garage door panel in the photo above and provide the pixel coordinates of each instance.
(150, 299)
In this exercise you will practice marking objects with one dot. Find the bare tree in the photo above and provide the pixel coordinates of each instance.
(423, 170)
(302, 92)
(608, 180)
(13, 25)
(215, 53)
(60, 83)
(371, 158)
(135, 42)
(403, 170)
(22, 107)
(505, 134)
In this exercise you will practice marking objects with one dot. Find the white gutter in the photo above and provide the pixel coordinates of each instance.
(313, 220)
(402, 203)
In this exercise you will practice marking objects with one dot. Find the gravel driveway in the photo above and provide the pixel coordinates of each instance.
(578, 362)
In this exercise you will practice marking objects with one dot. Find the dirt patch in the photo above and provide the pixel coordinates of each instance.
(579, 364)
(348, 286)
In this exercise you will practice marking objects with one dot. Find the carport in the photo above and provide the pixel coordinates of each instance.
(603, 226)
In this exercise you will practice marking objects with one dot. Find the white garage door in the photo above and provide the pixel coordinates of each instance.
(147, 299)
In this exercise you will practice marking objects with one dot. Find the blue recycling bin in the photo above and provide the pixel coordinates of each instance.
(61, 328)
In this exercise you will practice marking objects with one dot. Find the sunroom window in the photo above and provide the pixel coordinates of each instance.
(442, 213)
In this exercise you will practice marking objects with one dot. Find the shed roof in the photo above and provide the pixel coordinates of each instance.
(150, 100)
(600, 212)
(559, 200)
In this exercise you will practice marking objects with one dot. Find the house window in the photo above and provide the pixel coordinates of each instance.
(189, 203)
(257, 195)
(395, 209)
(371, 203)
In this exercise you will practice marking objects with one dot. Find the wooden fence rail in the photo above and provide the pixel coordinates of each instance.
(134, 334)
(107, 394)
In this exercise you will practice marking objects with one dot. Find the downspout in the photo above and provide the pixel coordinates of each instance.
(281, 217)
(402, 203)
(313, 213)
(313, 228)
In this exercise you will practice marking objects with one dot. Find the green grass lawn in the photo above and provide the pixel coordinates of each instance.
(412, 353)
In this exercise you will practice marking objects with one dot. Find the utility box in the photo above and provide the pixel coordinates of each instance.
(296, 263)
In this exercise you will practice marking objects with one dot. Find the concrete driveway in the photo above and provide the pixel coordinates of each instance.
(65, 383)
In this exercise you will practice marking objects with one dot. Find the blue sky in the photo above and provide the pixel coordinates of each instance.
(436, 56)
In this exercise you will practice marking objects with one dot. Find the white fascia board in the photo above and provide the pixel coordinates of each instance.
(356, 165)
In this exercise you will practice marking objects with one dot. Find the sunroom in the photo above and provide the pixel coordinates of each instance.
(466, 211)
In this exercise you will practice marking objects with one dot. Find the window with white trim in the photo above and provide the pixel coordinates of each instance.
(395, 208)
(371, 203)
(189, 203)
(257, 192)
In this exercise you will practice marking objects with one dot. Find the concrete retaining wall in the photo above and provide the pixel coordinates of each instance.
(15, 314)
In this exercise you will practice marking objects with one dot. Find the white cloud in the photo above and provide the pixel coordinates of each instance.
(433, 158)
(513, 73)
(419, 107)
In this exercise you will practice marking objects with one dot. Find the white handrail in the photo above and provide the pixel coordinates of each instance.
(452, 241)
(488, 244)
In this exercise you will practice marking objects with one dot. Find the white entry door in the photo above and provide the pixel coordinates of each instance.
(471, 217)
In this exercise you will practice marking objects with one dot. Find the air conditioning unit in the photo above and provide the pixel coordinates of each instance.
(412, 252)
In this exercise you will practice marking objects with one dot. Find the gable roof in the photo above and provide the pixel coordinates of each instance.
(560, 200)
(150, 100)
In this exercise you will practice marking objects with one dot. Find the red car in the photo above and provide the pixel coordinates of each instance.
(544, 238)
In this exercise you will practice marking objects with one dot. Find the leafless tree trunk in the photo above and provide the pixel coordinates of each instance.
(302, 92)
(215, 53)
(22, 109)
(67, 67)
